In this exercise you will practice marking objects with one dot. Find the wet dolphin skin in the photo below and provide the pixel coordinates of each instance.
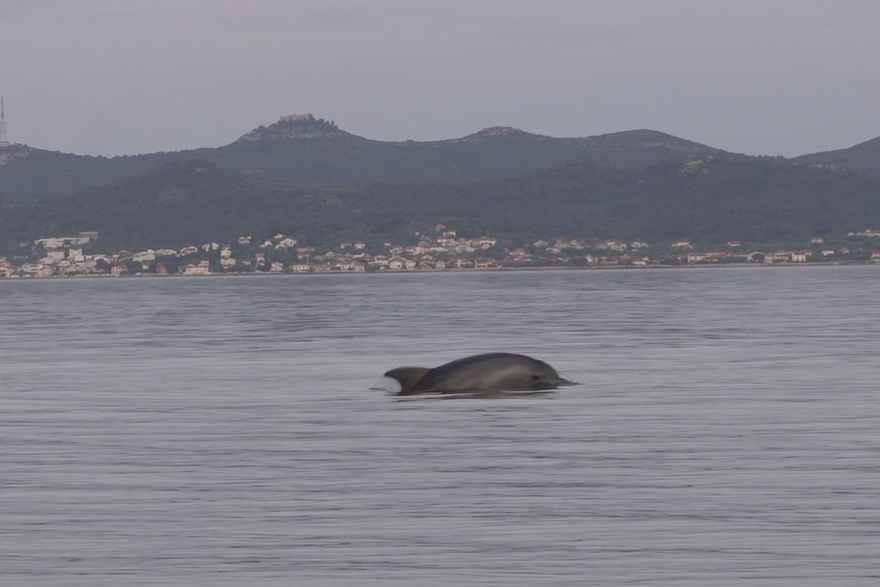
(492, 371)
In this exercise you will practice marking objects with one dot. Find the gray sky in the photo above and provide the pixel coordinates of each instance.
(781, 77)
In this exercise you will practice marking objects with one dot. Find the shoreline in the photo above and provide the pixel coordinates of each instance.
(443, 271)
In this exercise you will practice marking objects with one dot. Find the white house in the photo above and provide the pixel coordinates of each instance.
(203, 268)
(144, 256)
(611, 244)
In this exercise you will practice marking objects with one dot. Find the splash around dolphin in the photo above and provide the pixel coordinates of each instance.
(488, 372)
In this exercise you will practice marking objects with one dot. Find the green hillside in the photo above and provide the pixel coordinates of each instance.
(708, 199)
(703, 198)
(863, 158)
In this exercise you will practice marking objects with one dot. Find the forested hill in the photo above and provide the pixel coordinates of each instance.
(863, 158)
(178, 203)
(705, 198)
(492, 153)
(308, 150)
(711, 200)
(28, 172)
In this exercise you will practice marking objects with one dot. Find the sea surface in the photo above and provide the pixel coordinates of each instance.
(725, 430)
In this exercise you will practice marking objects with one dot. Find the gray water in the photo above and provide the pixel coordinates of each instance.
(221, 431)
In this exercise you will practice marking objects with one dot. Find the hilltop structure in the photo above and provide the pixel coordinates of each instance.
(3, 141)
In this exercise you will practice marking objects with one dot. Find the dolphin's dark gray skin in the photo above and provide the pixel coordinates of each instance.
(492, 371)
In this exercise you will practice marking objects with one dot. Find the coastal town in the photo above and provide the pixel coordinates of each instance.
(438, 249)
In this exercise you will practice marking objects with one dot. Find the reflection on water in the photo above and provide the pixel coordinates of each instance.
(222, 431)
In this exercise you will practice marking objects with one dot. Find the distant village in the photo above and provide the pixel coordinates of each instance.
(440, 249)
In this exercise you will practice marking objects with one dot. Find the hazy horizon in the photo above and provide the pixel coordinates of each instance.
(762, 78)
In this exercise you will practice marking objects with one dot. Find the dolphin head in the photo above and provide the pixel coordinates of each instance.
(407, 377)
(546, 377)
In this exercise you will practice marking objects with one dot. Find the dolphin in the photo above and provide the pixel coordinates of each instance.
(491, 371)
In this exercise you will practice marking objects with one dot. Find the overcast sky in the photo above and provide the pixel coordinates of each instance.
(780, 77)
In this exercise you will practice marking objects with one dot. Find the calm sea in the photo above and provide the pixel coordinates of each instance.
(222, 431)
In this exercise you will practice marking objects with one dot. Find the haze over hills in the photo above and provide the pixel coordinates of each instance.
(308, 150)
(708, 199)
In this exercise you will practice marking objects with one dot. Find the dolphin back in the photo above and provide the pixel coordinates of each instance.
(492, 371)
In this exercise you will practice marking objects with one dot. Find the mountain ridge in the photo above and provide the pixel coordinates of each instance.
(309, 150)
(302, 149)
(862, 158)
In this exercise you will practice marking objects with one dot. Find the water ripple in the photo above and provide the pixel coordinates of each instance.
(222, 431)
